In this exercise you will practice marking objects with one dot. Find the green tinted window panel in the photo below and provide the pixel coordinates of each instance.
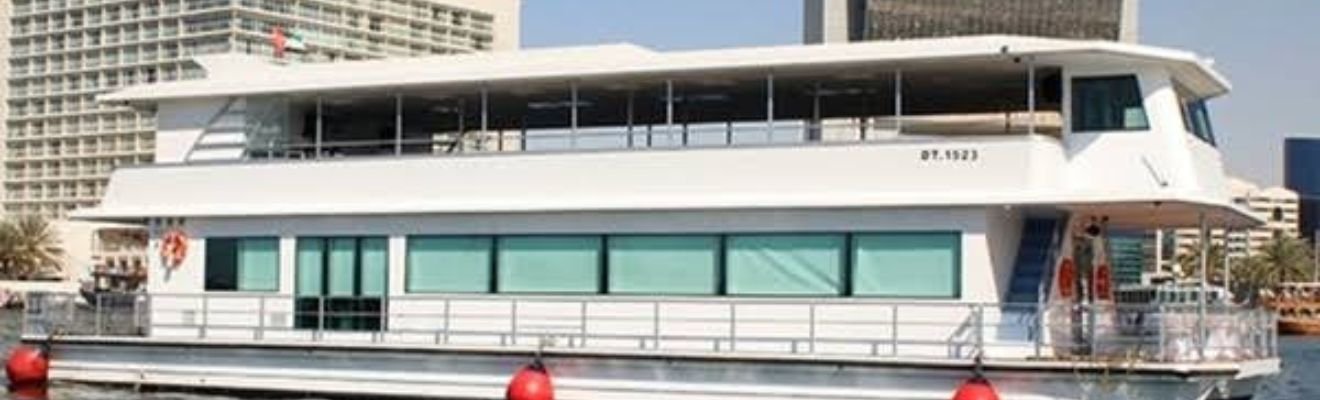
(679, 265)
(375, 266)
(779, 265)
(550, 264)
(342, 267)
(310, 267)
(917, 265)
(259, 265)
(449, 264)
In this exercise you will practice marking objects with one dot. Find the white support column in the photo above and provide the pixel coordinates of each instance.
(770, 107)
(1205, 288)
(631, 116)
(669, 107)
(816, 131)
(573, 113)
(320, 126)
(398, 124)
(1031, 95)
(485, 117)
(898, 101)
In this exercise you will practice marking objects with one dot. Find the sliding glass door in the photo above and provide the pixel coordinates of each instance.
(341, 283)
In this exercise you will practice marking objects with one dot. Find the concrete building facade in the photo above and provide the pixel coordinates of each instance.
(833, 21)
(1278, 206)
(61, 144)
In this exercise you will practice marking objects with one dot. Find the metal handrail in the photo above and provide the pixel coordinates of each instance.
(852, 327)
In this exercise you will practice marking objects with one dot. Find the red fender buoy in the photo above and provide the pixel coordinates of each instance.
(531, 382)
(27, 367)
(976, 389)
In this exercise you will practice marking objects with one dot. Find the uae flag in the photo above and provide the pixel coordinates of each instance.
(290, 41)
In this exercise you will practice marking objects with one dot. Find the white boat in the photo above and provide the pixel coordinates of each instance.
(856, 221)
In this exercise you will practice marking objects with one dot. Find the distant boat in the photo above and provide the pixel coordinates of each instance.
(1298, 306)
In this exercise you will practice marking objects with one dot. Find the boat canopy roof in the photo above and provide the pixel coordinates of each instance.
(244, 75)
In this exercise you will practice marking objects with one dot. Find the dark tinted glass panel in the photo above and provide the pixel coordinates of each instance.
(1108, 104)
(222, 265)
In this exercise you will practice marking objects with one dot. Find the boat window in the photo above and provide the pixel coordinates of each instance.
(906, 264)
(678, 265)
(785, 264)
(1107, 104)
(341, 282)
(245, 265)
(449, 264)
(1196, 115)
(549, 264)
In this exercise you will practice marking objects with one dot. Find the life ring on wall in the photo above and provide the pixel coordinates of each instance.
(173, 248)
(1067, 279)
(1104, 283)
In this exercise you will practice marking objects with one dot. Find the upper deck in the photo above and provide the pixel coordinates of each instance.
(962, 121)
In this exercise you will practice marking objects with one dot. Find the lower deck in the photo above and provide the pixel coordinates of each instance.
(481, 372)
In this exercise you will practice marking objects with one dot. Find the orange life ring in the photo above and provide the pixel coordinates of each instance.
(1067, 278)
(1104, 283)
(173, 248)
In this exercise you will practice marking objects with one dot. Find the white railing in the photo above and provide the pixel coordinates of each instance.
(841, 327)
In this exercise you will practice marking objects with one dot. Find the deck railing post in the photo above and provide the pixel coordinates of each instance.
(261, 319)
(447, 324)
(137, 314)
(98, 297)
(1159, 329)
(893, 330)
(655, 325)
(811, 321)
(980, 328)
(206, 316)
(383, 319)
(320, 319)
(1038, 341)
(513, 323)
(733, 326)
(582, 324)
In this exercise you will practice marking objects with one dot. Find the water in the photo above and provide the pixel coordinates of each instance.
(1301, 358)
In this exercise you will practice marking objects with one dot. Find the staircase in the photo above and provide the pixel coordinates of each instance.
(1034, 259)
(225, 136)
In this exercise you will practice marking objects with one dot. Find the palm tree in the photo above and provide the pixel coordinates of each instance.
(1189, 261)
(1283, 259)
(29, 248)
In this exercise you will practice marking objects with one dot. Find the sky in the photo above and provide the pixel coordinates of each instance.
(1270, 50)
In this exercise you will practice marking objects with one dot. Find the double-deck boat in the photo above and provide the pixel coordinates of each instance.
(856, 221)
(1298, 306)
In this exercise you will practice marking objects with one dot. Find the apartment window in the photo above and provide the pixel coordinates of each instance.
(777, 265)
(1108, 104)
(449, 264)
(549, 264)
(655, 265)
(906, 264)
(341, 283)
(242, 265)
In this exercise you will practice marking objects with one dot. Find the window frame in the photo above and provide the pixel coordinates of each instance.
(238, 269)
(1074, 104)
(957, 264)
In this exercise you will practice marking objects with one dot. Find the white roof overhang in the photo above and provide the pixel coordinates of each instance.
(228, 77)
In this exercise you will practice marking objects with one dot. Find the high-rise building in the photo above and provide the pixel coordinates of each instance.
(1276, 205)
(828, 21)
(1301, 173)
(62, 144)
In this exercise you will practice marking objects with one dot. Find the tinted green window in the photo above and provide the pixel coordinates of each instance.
(785, 264)
(906, 264)
(311, 267)
(553, 264)
(663, 264)
(249, 265)
(1108, 104)
(342, 267)
(375, 266)
(449, 264)
(259, 265)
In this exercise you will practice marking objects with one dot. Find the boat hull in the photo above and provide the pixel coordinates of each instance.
(1299, 327)
(380, 370)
